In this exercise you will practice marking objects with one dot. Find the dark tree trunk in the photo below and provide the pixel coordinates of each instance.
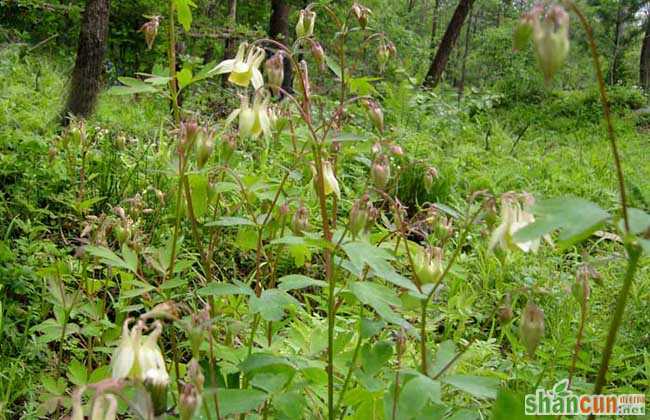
(463, 71)
(447, 43)
(279, 31)
(86, 76)
(644, 64)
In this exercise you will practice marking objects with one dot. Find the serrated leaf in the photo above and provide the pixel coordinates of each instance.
(576, 219)
(106, 256)
(415, 394)
(271, 304)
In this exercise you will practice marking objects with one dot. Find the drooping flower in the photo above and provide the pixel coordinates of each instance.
(254, 120)
(428, 265)
(330, 182)
(514, 216)
(531, 328)
(274, 68)
(150, 30)
(305, 25)
(138, 357)
(380, 172)
(551, 39)
(243, 71)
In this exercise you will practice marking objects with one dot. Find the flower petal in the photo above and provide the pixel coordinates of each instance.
(258, 80)
(225, 66)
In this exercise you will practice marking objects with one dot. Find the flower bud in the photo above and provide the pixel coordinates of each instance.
(376, 114)
(531, 327)
(319, 54)
(246, 119)
(188, 133)
(274, 68)
(361, 13)
(581, 289)
(156, 383)
(396, 150)
(301, 83)
(429, 177)
(228, 147)
(504, 312)
(359, 216)
(551, 39)
(123, 362)
(376, 148)
(205, 147)
(305, 25)
(195, 375)
(300, 220)
(104, 407)
(380, 172)
(165, 310)
(150, 30)
(121, 233)
(428, 265)
(77, 132)
(523, 32)
(188, 402)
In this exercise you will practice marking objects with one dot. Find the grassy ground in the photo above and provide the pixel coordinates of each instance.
(562, 151)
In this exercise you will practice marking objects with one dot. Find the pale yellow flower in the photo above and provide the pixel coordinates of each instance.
(244, 68)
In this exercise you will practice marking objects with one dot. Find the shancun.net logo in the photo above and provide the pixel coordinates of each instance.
(562, 401)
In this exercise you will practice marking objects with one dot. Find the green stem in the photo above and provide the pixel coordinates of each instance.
(606, 111)
(353, 364)
(173, 87)
(634, 253)
(423, 335)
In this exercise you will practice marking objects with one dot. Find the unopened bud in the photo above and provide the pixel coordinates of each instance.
(300, 220)
(396, 150)
(121, 233)
(195, 374)
(104, 407)
(376, 148)
(205, 147)
(189, 401)
(165, 310)
(361, 13)
(156, 382)
(188, 133)
(274, 68)
(380, 172)
(305, 25)
(429, 177)
(150, 30)
(319, 54)
(359, 216)
(376, 114)
(301, 83)
(581, 289)
(532, 327)
(504, 312)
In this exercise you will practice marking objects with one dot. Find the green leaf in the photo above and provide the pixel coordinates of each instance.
(199, 193)
(509, 405)
(271, 304)
(77, 373)
(380, 298)
(231, 221)
(576, 219)
(333, 65)
(639, 221)
(236, 401)
(184, 13)
(131, 86)
(362, 253)
(374, 358)
(362, 85)
(184, 77)
(264, 361)
(299, 281)
(225, 289)
(478, 386)
(415, 394)
(130, 258)
(106, 256)
(444, 354)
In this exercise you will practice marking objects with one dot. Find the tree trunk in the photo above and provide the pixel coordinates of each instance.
(644, 64)
(447, 43)
(618, 33)
(279, 31)
(229, 41)
(86, 76)
(434, 27)
(468, 37)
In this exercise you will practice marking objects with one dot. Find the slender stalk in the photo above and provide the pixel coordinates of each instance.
(213, 368)
(634, 253)
(583, 318)
(606, 111)
(173, 87)
(423, 342)
(353, 364)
